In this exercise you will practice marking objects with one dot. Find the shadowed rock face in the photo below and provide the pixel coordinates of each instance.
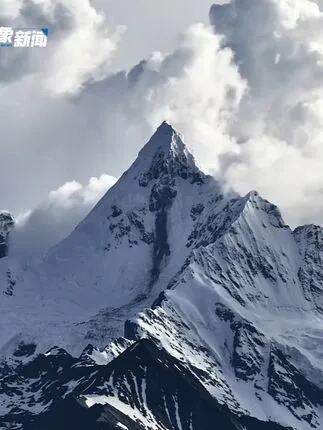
(156, 390)
(6, 225)
(170, 162)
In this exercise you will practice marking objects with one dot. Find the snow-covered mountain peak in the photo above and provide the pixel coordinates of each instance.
(309, 232)
(165, 156)
(254, 202)
(127, 250)
(308, 236)
(166, 139)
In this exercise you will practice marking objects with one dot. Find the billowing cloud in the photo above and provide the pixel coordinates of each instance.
(85, 52)
(38, 229)
(278, 45)
(248, 98)
(80, 47)
(51, 138)
(78, 124)
(198, 89)
(146, 22)
(10, 8)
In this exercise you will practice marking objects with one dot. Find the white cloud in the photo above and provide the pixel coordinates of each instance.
(73, 193)
(10, 8)
(278, 46)
(80, 49)
(85, 52)
(38, 229)
(247, 97)
(147, 21)
(198, 89)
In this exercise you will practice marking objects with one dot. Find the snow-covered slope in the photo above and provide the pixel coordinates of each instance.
(117, 260)
(213, 292)
(130, 234)
(245, 315)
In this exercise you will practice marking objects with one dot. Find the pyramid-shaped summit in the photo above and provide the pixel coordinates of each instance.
(165, 138)
(163, 160)
(165, 155)
(122, 249)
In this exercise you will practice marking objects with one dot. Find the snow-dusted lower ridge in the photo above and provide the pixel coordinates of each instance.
(211, 307)
(143, 388)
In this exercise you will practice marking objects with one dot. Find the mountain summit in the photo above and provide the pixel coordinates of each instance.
(167, 153)
(164, 157)
(123, 254)
(168, 291)
(133, 231)
(166, 139)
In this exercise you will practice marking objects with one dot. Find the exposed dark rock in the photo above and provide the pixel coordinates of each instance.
(248, 351)
(196, 211)
(290, 388)
(25, 350)
(145, 378)
(116, 211)
(6, 225)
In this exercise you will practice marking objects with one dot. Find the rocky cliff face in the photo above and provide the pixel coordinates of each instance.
(143, 388)
(6, 225)
(210, 304)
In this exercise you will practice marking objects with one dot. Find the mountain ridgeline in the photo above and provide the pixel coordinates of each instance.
(172, 306)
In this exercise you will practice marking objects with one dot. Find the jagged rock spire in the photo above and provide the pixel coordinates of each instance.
(6, 225)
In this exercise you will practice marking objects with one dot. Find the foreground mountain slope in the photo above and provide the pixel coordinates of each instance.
(143, 388)
(245, 315)
(213, 292)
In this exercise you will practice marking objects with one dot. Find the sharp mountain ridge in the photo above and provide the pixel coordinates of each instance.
(172, 305)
